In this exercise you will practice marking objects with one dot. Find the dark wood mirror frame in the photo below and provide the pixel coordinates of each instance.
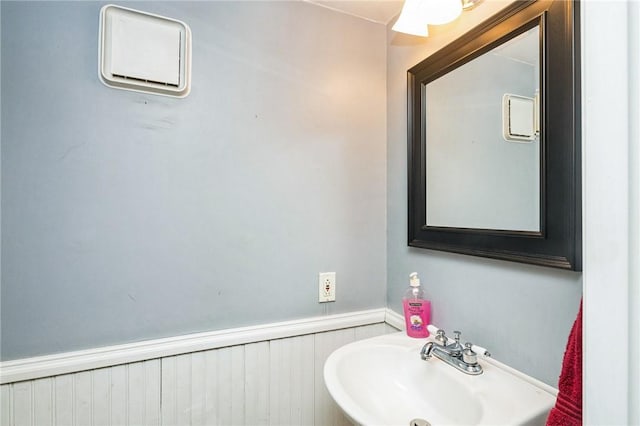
(559, 242)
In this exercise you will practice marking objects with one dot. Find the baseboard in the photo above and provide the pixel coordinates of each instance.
(394, 319)
(70, 362)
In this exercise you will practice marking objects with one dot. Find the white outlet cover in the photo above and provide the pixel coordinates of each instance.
(327, 287)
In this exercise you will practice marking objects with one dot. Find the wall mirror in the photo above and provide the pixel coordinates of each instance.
(494, 141)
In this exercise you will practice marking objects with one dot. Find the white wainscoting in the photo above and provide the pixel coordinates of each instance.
(269, 382)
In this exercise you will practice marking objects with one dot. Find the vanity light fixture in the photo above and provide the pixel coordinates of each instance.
(417, 15)
(413, 18)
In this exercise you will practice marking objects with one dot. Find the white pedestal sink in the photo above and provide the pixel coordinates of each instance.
(383, 381)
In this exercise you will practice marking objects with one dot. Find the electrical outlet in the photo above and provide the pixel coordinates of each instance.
(327, 287)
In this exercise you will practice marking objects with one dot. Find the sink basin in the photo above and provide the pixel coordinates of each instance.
(383, 381)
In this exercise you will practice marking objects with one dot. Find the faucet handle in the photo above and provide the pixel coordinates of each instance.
(468, 355)
(441, 339)
(455, 348)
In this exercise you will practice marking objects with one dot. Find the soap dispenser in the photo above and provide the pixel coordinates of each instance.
(417, 310)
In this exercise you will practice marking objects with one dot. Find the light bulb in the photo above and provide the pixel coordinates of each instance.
(440, 12)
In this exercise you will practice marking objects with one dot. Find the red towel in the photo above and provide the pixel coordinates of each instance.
(568, 408)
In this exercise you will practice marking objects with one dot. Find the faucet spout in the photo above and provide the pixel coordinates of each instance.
(425, 353)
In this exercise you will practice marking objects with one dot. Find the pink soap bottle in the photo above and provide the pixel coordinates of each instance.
(417, 310)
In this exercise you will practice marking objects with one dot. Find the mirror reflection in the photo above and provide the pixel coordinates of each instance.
(483, 140)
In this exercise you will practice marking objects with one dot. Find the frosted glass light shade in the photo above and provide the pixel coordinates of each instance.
(413, 18)
(416, 15)
(440, 12)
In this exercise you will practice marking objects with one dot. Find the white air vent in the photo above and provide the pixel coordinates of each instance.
(519, 118)
(144, 52)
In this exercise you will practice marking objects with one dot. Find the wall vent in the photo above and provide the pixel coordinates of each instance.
(519, 118)
(144, 52)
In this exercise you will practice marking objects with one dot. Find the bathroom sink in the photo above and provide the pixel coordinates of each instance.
(383, 381)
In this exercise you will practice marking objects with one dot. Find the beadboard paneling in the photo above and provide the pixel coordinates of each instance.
(5, 405)
(43, 402)
(257, 386)
(63, 399)
(101, 397)
(292, 380)
(275, 382)
(22, 403)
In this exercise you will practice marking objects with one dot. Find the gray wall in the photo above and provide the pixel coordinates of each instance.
(521, 313)
(128, 216)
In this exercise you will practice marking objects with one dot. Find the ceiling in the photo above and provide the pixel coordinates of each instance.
(379, 11)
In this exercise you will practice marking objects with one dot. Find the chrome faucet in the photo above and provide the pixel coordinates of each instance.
(454, 354)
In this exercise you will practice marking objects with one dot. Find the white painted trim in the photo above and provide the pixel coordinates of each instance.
(394, 319)
(634, 212)
(605, 166)
(70, 362)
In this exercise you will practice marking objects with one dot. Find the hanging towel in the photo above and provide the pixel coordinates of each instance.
(568, 408)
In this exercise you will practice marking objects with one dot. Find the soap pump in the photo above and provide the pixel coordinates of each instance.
(417, 310)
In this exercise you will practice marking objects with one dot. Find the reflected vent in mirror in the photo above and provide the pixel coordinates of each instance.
(144, 52)
(518, 118)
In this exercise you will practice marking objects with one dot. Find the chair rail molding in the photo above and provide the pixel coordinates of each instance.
(90, 359)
